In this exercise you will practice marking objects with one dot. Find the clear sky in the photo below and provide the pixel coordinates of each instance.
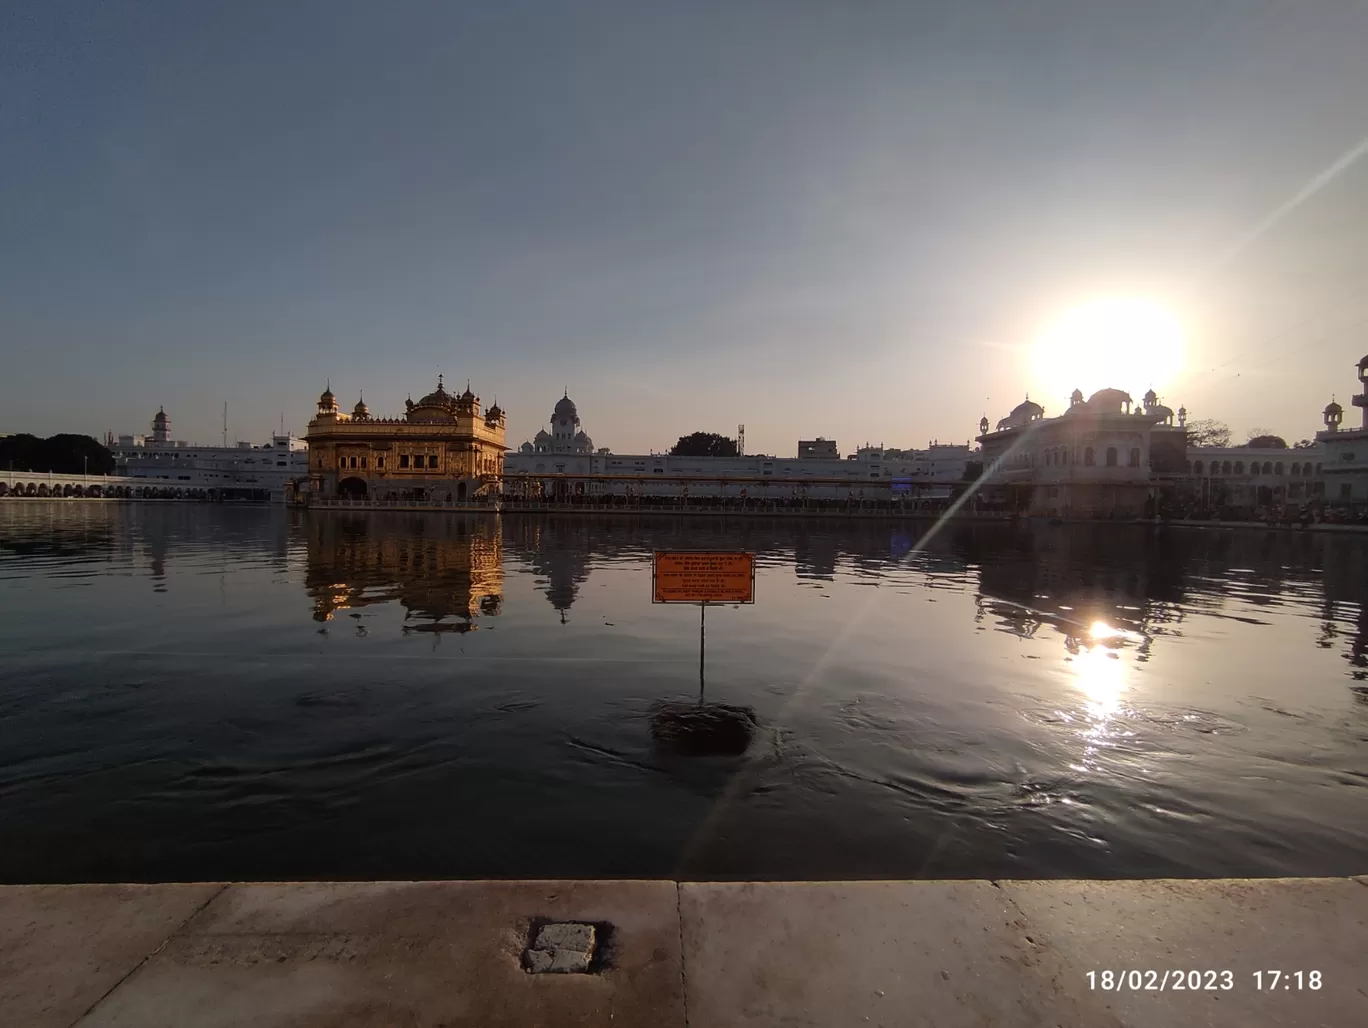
(846, 219)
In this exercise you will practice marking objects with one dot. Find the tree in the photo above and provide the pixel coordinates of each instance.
(1303, 444)
(704, 444)
(1208, 432)
(63, 454)
(1261, 439)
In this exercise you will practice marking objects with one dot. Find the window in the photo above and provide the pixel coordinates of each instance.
(1254, 468)
(1135, 457)
(1111, 456)
(363, 462)
(353, 462)
(1278, 468)
(1268, 467)
(1296, 470)
(1225, 467)
(1239, 467)
(432, 460)
(1063, 456)
(403, 460)
(341, 462)
(1346, 490)
(1088, 457)
(1318, 468)
(1197, 468)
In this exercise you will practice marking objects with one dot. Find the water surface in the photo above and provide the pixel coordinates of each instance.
(199, 692)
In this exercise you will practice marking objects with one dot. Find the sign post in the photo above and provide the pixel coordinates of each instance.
(702, 577)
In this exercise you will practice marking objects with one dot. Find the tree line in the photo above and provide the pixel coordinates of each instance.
(61, 454)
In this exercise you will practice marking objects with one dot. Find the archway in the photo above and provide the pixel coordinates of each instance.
(460, 492)
(353, 488)
(43, 490)
(4, 488)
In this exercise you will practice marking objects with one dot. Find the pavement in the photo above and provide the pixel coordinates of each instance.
(917, 953)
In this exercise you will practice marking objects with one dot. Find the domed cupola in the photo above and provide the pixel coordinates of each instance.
(565, 409)
(1110, 400)
(361, 412)
(1022, 414)
(1334, 415)
(439, 397)
(438, 405)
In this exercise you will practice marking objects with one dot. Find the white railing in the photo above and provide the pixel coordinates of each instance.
(10, 477)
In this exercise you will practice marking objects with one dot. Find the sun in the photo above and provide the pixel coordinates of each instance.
(1129, 344)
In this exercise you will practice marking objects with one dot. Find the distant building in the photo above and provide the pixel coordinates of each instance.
(1346, 450)
(161, 428)
(442, 449)
(566, 435)
(1100, 458)
(587, 472)
(818, 449)
(244, 471)
(1249, 480)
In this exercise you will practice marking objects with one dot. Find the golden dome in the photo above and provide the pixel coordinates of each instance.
(438, 397)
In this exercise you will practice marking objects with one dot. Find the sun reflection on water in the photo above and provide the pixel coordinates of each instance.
(1100, 675)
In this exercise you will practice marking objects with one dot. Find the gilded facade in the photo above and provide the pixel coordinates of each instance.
(443, 449)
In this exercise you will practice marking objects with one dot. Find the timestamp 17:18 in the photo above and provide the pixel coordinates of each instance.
(1266, 981)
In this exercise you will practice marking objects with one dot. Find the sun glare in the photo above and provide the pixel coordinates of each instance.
(1124, 344)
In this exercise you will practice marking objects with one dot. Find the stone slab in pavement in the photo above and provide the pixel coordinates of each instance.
(1243, 926)
(849, 954)
(378, 955)
(63, 947)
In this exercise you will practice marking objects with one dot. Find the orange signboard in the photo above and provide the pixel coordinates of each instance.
(692, 576)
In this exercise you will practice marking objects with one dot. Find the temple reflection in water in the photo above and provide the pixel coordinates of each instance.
(557, 551)
(444, 572)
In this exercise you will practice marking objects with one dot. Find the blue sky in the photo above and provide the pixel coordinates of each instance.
(851, 220)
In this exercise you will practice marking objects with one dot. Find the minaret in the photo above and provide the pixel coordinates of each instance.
(1333, 415)
(161, 428)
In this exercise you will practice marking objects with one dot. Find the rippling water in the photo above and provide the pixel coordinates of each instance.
(216, 693)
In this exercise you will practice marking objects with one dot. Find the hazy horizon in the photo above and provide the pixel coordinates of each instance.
(810, 218)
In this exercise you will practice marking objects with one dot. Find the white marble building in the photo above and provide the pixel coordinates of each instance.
(566, 435)
(1346, 450)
